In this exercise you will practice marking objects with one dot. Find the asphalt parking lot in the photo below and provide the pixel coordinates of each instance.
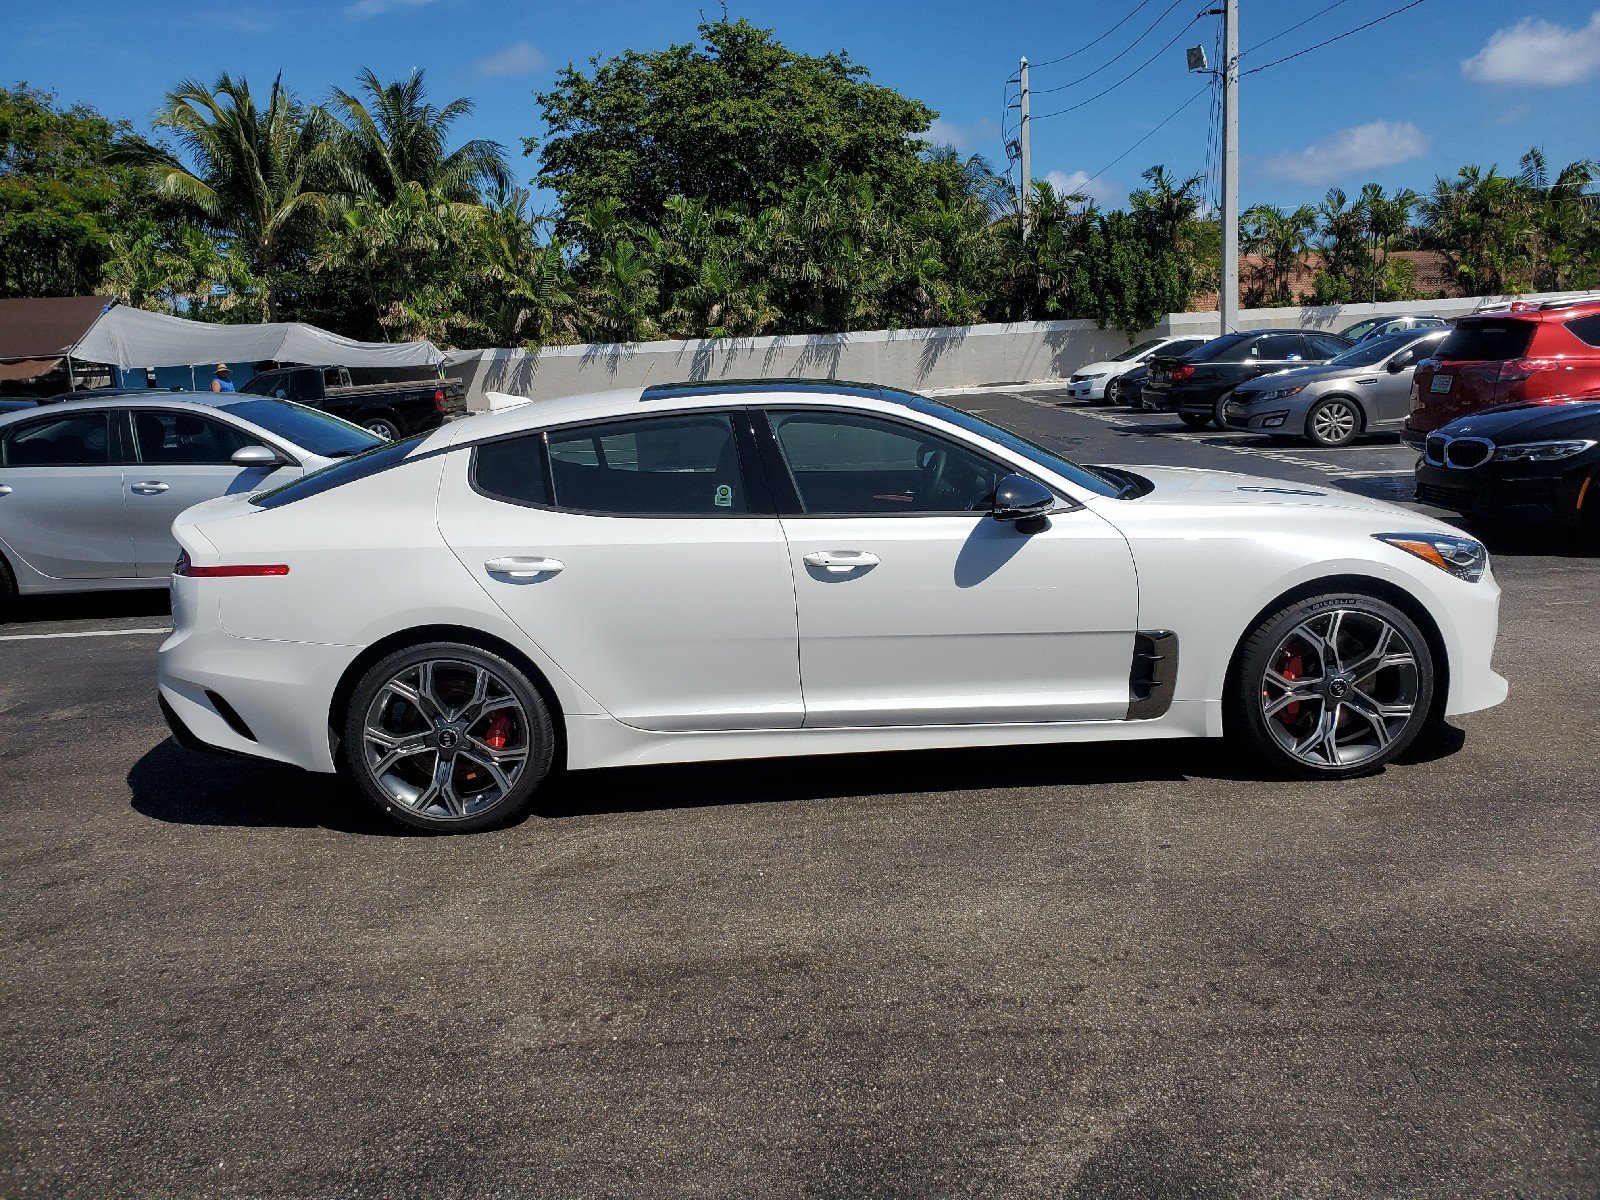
(1102, 971)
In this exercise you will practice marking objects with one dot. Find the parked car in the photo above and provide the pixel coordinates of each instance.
(97, 394)
(1197, 384)
(89, 491)
(1365, 389)
(1524, 462)
(1540, 352)
(1130, 388)
(720, 571)
(391, 410)
(10, 404)
(1374, 327)
(1102, 380)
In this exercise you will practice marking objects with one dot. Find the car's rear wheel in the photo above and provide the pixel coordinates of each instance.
(1333, 422)
(448, 737)
(8, 591)
(1219, 410)
(1195, 420)
(1333, 686)
(382, 426)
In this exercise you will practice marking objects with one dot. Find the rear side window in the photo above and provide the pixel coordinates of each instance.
(1486, 341)
(171, 438)
(1230, 347)
(69, 440)
(347, 470)
(1586, 329)
(653, 466)
(1278, 347)
(512, 470)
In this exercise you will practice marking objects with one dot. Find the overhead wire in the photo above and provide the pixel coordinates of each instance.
(1130, 75)
(1123, 53)
(1330, 41)
(1050, 62)
(1162, 124)
(1292, 28)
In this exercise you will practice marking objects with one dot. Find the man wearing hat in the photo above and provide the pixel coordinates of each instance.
(220, 381)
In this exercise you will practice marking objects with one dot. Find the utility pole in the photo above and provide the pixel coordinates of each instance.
(1230, 163)
(1025, 137)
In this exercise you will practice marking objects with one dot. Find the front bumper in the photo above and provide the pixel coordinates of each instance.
(1088, 389)
(1269, 418)
(1484, 492)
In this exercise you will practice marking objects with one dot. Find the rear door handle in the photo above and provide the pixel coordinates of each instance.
(839, 561)
(150, 487)
(524, 568)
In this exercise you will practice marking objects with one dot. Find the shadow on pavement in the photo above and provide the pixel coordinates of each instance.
(89, 606)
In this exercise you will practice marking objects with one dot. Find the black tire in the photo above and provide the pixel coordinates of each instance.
(382, 426)
(1111, 399)
(8, 591)
(1219, 416)
(1275, 643)
(1194, 420)
(1334, 422)
(527, 728)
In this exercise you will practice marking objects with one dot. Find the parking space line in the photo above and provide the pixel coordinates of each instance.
(80, 633)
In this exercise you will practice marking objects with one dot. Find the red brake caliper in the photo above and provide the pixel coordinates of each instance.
(1293, 667)
(499, 733)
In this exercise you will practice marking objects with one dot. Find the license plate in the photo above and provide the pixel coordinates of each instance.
(1441, 383)
(1158, 375)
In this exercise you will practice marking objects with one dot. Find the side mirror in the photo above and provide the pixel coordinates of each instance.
(255, 456)
(1023, 501)
(1399, 363)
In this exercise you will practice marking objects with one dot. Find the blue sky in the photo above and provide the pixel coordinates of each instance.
(1449, 82)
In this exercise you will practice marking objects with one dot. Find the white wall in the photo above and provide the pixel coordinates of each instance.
(920, 359)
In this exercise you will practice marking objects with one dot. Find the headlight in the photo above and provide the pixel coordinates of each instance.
(1542, 451)
(1461, 556)
(1279, 394)
(1102, 375)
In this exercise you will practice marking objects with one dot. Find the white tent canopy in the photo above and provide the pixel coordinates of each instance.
(131, 338)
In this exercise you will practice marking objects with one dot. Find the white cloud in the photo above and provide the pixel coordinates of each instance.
(519, 58)
(1517, 112)
(1102, 191)
(1350, 151)
(376, 8)
(977, 137)
(1537, 53)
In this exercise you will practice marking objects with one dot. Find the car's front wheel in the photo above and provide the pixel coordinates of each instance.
(447, 737)
(1333, 422)
(1333, 686)
(1113, 388)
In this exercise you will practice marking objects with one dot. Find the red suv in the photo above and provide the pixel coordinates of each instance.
(1530, 352)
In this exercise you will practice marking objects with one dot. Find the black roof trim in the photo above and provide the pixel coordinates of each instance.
(823, 387)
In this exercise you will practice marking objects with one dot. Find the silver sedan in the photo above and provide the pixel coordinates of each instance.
(89, 489)
(1367, 389)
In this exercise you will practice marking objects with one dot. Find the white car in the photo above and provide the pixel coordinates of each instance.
(1099, 381)
(733, 571)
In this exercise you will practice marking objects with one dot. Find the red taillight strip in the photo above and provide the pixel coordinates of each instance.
(242, 571)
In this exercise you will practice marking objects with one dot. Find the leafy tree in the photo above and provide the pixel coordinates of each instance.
(1281, 237)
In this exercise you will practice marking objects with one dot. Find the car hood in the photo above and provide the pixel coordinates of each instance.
(1103, 368)
(1190, 487)
(1530, 422)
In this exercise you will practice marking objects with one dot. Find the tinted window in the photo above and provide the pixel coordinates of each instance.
(652, 466)
(69, 440)
(855, 464)
(1184, 346)
(1374, 350)
(1486, 341)
(1227, 348)
(318, 432)
(512, 470)
(348, 470)
(1323, 346)
(1135, 351)
(1017, 444)
(181, 437)
(1278, 347)
(1586, 329)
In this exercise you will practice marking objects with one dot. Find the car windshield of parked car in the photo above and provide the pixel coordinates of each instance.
(321, 433)
(1486, 341)
(1361, 327)
(1366, 354)
(1032, 451)
(346, 470)
(1136, 351)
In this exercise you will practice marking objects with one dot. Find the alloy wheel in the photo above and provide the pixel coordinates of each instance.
(1334, 422)
(1340, 687)
(446, 739)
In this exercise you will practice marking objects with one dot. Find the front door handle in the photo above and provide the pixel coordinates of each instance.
(150, 487)
(5, 489)
(524, 568)
(839, 561)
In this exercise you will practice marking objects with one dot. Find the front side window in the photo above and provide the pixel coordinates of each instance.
(69, 440)
(169, 438)
(852, 464)
(685, 465)
(1325, 347)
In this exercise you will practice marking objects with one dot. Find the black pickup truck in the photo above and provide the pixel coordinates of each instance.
(390, 410)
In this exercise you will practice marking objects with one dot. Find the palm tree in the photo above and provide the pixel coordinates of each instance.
(253, 173)
(394, 137)
(1282, 239)
(1563, 213)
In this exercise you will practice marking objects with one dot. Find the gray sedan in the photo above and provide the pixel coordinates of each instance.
(1367, 389)
(89, 489)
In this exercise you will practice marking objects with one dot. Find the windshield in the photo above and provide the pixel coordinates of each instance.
(1486, 341)
(317, 432)
(347, 470)
(1366, 354)
(1032, 451)
(1136, 351)
(1360, 327)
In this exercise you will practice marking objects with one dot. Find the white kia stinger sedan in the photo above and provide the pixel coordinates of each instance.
(720, 571)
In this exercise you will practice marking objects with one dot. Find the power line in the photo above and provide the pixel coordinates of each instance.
(1050, 62)
(1292, 28)
(1168, 119)
(1107, 91)
(1339, 38)
(1122, 54)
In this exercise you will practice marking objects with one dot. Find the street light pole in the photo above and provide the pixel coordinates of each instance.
(1025, 138)
(1230, 165)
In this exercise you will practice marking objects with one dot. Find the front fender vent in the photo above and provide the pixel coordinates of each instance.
(1153, 675)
